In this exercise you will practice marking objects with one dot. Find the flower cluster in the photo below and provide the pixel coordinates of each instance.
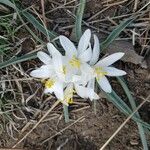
(77, 70)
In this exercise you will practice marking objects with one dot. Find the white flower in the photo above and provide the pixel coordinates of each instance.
(82, 91)
(103, 67)
(77, 58)
(52, 71)
(79, 53)
(77, 70)
(86, 92)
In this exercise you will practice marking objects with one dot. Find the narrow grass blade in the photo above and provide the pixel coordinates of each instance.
(133, 105)
(8, 3)
(115, 33)
(123, 107)
(28, 29)
(79, 16)
(18, 60)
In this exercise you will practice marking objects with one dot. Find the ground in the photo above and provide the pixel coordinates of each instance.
(86, 130)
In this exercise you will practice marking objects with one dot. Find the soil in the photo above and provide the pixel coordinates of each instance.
(93, 130)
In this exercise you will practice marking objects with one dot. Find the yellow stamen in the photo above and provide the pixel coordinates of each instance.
(70, 100)
(100, 72)
(64, 69)
(74, 62)
(49, 83)
(69, 96)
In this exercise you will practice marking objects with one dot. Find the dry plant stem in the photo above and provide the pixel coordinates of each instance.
(11, 149)
(54, 105)
(44, 18)
(19, 79)
(117, 3)
(43, 12)
(122, 125)
(116, 17)
(98, 13)
(80, 109)
(60, 6)
(107, 1)
(135, 5)
(144, 6)
(47, 139)
(144, 41)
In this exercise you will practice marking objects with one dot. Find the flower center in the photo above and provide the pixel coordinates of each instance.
(49, 83)
(100, 72)
(74, 62)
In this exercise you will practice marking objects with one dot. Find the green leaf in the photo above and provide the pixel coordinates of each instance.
(18, 60)
(133, 105)
(79, 16)
(123, 107)
(115, 33)
(8, 3)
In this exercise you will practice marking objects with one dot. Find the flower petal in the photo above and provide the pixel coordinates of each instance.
(84, 41)
(87, 73)
(104, 84)
(112, 71)
(86, 55)
(68, 46)
(52, 50)
(58, 90)
(96, 51)
(85, 92)
(81, 91)
(44, 72)
(48, 90)
(91, 83)
(56, 60)
(46, 59)
(57, 63)
(109, 60)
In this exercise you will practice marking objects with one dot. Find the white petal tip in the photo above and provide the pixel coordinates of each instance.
(124, 73)
(107, 90)
(61, 36)
(121, 54)
(34, 73)
(49, 44)
(88, 31)
(39, 53)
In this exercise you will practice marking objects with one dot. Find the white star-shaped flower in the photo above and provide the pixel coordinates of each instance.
(52, 72)
(77, 58)
(103, 67)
